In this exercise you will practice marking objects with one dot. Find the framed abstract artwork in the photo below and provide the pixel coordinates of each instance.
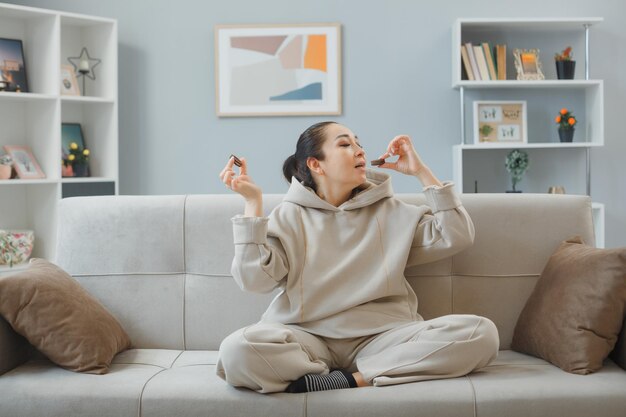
(278, 70)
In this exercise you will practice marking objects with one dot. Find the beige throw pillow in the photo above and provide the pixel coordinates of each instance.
(60, 318)
(574, 315)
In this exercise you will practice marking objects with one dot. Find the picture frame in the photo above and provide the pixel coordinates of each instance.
(500, 122)
(69, 81)
(278, 70)
(24, 162)
(13, 75)
(528, 65)
(73, 132)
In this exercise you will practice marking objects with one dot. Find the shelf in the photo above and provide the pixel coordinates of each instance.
(544, 145)
(543, 24)
(5, 269)
(69, 180)
(28, 182)
(547, 84)
(25, 97)
(88, 99)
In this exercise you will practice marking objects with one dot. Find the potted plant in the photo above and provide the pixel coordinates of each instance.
(565, 66)
(516, 164)
(78, 160)
(6, 165)
(566, 122)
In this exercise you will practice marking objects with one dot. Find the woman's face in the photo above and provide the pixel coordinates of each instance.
(344, 158)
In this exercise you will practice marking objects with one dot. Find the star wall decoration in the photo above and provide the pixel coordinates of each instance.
(83, 64)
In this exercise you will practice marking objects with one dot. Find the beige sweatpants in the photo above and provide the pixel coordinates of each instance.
(266, 357)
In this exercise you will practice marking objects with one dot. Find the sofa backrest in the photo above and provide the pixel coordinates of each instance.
(161, 264)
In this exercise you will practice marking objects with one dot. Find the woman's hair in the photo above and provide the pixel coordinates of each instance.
(309, 145)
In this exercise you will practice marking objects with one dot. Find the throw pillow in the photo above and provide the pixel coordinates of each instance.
(59, 317)
(574, 315)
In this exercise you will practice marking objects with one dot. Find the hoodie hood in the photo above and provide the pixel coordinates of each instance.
(376, 187)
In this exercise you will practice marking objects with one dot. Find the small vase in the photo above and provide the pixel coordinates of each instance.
(5, 172)
(566, 135)
(565, 70)
(81, 170)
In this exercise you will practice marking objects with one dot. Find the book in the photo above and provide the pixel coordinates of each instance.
(467, 65)
(482, 63)
(470, 53)
(501, 61)
(490, 61)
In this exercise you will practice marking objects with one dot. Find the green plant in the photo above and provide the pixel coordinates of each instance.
(516, 164)
(565, 119)
(485, 130)
(6, 160)
(76, 156)
(565, 55)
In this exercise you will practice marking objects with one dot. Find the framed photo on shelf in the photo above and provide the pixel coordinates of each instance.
(73, 133)
(527, 64)
(69, 82)
(278, 70)
(12, 66)
(500, 122)
(24, 162)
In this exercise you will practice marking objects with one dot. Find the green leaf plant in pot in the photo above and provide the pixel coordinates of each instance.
(566, 122)
(516, 164)
(565, 66)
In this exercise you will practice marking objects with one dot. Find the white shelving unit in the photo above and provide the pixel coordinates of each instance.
(480, 167)
(34, 118)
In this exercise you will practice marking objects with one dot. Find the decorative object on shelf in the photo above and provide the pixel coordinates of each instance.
(566, 122)
(279, 69)
(24, 162)
(84, 67)
(75, 154)
(565, 66)
(12, 66)
(528, 65)
(6, 167)
(16, 246)
(69, 82)
(500, 122)
(516, 164)
(556, 189)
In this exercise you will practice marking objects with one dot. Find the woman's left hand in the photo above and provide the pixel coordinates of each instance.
(409, 162)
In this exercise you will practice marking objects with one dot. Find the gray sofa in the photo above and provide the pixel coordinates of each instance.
(161, 265)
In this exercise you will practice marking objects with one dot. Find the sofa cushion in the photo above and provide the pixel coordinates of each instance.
(40, 388)
(60, 318)
(575, 312)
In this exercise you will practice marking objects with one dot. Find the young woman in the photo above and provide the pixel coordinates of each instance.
(336, 248)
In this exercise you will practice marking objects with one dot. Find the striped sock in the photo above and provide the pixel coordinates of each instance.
(337, 379)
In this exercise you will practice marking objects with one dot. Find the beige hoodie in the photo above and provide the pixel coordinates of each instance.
(340, 270)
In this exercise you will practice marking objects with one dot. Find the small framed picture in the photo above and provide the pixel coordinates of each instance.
(278, 70)
(12, 66)
(69, 83)
(24, 162)
(527, 64)
(500, 122)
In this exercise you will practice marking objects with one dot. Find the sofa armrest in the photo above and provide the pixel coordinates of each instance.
(619, 352)
(13, 348)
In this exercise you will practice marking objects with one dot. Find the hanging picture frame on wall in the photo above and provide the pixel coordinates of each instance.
(278, 70)
(500, 122)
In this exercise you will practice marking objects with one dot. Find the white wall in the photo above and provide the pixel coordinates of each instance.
(396, 75)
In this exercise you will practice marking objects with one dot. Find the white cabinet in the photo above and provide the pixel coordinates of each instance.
(480, 167)
(34, 118)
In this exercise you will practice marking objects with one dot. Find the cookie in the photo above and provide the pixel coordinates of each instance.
(237, 160)
(377, 162)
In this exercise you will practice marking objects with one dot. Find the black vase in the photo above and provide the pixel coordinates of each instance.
(566, 135)
(81, 170)
(565, 70)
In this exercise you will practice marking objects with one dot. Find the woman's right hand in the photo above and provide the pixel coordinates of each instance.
(241, 183)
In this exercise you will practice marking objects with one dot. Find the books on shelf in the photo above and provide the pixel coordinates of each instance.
(483, 63)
